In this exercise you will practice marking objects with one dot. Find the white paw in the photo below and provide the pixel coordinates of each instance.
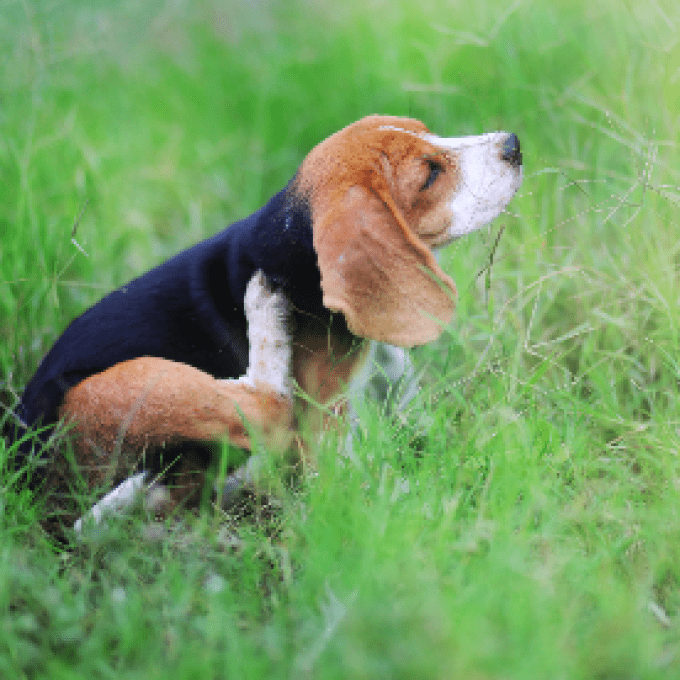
(115, 502)
(270, 345)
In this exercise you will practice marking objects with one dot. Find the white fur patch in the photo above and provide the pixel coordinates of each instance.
(270, 345)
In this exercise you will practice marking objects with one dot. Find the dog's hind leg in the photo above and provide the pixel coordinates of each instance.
(146, 404)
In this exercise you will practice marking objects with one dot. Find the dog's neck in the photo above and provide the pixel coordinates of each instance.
(278, 240)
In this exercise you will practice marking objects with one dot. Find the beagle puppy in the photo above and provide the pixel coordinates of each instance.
(257, 331)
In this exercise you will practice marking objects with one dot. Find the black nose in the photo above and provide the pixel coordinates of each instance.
(511, 151)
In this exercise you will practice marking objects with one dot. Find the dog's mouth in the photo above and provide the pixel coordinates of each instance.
(440, 239)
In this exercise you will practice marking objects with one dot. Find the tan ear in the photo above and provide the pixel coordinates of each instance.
(377, 271)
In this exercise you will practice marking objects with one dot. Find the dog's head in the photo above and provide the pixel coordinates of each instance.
(383, 192)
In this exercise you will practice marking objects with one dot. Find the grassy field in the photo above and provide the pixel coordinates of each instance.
(521, 518)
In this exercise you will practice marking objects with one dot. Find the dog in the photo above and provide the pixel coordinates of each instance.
(255, 333)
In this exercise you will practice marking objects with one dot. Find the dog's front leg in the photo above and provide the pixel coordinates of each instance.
(269, 366)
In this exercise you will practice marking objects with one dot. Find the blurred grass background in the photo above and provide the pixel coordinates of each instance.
(520, 520)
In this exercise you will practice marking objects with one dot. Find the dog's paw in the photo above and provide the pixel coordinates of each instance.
(116, 502)
(270, 344)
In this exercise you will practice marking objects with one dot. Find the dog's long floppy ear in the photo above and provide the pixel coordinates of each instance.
(378, 272)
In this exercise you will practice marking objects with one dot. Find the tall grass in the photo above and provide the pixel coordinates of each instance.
(521, 518)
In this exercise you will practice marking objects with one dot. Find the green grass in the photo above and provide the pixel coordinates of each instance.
(521, 519)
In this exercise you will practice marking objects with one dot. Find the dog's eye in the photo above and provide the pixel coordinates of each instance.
(435, 170)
